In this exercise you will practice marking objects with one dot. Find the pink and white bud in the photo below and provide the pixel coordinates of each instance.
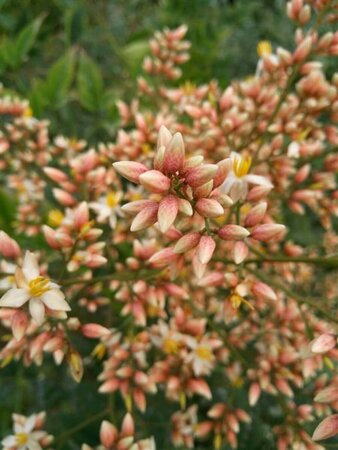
(184, 206)
(108, 434)
(163, 257)
(187, 242)
(326, 429)
(130, 170)
(145, 218)
(19, 324)
(128, 427)
(81, 215)
(302, 173)
(233, 233)
(327, 395)
(55, 174)
(258, 193)
(167, 212)
(164, 137)
(206, 248)
(263, 291)
(256, 215)
(155, 181)
(95, 331)
(64, 197)
(8, 246)
(268, 232)
(208, 207)
(254, 393)
(324, 343)
(136, 206)
(239, 252)
(201, 174)
(174, 155)
(303, 50)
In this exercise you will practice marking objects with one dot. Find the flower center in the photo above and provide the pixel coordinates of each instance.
(264, 48)
(204, 353)
(55, 217)
(171, 346)
(21, 438)
(241, 165)
(112, 200)
(38, 286)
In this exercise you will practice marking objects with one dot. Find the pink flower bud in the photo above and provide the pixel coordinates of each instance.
(254, 393)
(187, 242)
(324, 343)
(302, 173)
(262, 290)
(19, 324)
(95, 331)
(233, 233)
(184, 206)
(167, 212)
(208, 207)
(256, 215)
(174, 155)
(55, 174)
(201, 174)
(136, 206)
(327, 395)
(128, 428)
(268, 231)
(240, 252)
(8, 246)
(130, 170)
(63, 197)
(155, 181)
(164, 137)
(81, 215)
(205, 249)
(145, 218)
(163, 257)
(108, 434)
(258, 193)
(302, 50)
(326, 429)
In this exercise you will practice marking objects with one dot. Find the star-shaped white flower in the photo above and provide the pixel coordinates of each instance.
(40, 292)
(24, 437)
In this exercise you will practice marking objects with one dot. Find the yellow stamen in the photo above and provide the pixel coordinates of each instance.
(99, 351)
(38, 286)
(218, 441)
(55, 217)
(204, 353)
(146, 148)
(112, 199)
(236, 301)
(188, 88)
(28, 112)
(241, 165)
(21, 438)
(171, 346)
(264, 48)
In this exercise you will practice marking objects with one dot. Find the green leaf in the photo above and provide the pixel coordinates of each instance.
(135, 52)
(25, 41)
(59, 80)
(90, 83)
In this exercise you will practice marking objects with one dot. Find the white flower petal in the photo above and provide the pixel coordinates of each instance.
(14, 298)
(55, 299)
(9, 441)
(33, 445)
(37, 310)
(30, 266)
(259, 180)
(239, 190)
(29, 423)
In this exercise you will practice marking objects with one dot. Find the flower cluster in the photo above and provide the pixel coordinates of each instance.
(197, 251)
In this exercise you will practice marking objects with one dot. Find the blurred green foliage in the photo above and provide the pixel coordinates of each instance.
(75, 58)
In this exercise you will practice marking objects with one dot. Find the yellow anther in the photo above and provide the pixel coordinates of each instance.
(171, 346)
(55, 217)
(28, 112)
(264, 48)
(38, 286)
(112, 199)
(236, 301)
(204, 353)
(21, 438)
(241, 165)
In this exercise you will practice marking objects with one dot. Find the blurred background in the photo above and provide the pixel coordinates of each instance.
(74, 58)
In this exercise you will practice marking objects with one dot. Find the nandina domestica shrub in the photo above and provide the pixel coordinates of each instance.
(178, 252)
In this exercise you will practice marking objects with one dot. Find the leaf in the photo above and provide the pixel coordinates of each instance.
(135, 52)
(90, 83)
(25, 41)
(59, 79)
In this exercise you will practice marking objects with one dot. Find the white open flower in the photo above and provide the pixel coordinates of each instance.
(39, 291)
(238, 178)
(107, 208)
(24, 437)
